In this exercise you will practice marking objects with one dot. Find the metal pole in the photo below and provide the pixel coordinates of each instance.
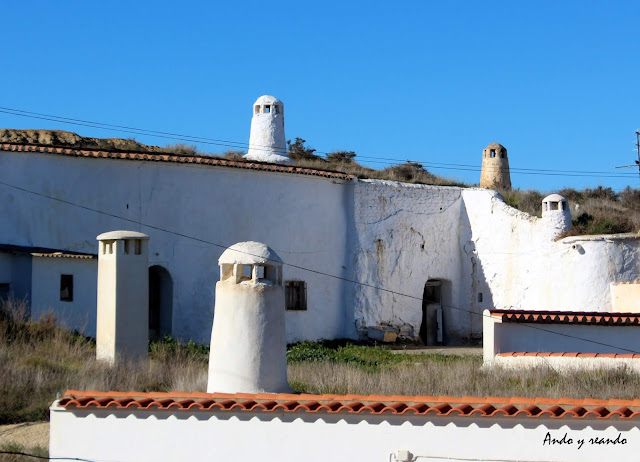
(638, 150)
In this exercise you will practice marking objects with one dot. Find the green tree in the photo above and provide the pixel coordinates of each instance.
(298, 150)
(341, 156)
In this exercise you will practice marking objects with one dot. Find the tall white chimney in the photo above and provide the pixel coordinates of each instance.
(123, 296)
(248, 343)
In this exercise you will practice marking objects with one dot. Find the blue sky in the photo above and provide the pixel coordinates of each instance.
(556, 82)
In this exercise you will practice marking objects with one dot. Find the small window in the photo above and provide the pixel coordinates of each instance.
(276, 109)
(296, 295)
(138, 246)
(107, 247)
(479, 297)
(226, 270)
(267, 109)
(246, 273)
(493, 153)
(66, 287)
(259, 272)
(126, 246)
(502, 155)
(257, 109)
(553, 205)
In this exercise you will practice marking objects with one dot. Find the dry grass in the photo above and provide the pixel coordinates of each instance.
(40, 452)
(39, 361)
(462, 376)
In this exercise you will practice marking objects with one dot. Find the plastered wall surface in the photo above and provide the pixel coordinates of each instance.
(384, 234)
(78, 314)
(524, 267)
(153, 436)
(625, 298)
(406, 235)
(304, 219)
(15, 270)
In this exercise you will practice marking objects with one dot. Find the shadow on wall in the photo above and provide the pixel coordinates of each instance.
(475, 295)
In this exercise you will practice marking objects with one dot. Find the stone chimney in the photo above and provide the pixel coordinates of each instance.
(123, 296)
(495, 168)
(248, 343)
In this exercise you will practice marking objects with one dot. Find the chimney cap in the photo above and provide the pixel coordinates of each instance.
(267, 99)
(115, 235)
(249, 253)
(554, 198)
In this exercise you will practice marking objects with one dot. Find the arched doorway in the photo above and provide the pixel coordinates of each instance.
(431, 329)
(160, 302)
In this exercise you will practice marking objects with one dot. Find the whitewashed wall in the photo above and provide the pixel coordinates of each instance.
(302, 218)
(79, 314)
(392, 235)
(184, 435)
(523, 267)
(406, 235)
(15, 270)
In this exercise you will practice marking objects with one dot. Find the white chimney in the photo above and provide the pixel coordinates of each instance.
(267, 142)
(123, 296)
(248, 344)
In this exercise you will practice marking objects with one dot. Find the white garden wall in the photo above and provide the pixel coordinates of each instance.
(165, 435)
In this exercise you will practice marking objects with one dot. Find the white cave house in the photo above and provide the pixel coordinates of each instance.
(422, 260)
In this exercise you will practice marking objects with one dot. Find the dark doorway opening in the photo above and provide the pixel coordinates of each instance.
(160, 302)
(431, 329)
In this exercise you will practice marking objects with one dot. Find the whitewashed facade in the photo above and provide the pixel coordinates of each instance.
(474, 251)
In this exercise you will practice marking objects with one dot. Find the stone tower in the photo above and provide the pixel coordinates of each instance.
(267, 142)
(248, 343)
(495, 168)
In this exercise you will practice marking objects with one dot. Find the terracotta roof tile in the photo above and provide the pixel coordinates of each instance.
(174, 158)
(466, 406)
(567, 317)
(571, 355)
(65, 255)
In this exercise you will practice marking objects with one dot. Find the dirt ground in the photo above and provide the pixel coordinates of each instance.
(28, 434)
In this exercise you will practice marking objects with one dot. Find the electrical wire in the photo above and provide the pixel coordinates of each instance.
(244, 145)
(35, 456)
(341, 278)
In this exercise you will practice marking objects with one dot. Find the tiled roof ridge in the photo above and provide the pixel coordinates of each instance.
(567, 317)
(64, 255)
(172, 158)
(570, 354)
(355, 404)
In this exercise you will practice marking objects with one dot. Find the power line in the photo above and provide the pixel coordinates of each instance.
(352, 281)
(35, 456)
(244, 145)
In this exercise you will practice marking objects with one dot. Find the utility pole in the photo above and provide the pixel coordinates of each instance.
(638, 151)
